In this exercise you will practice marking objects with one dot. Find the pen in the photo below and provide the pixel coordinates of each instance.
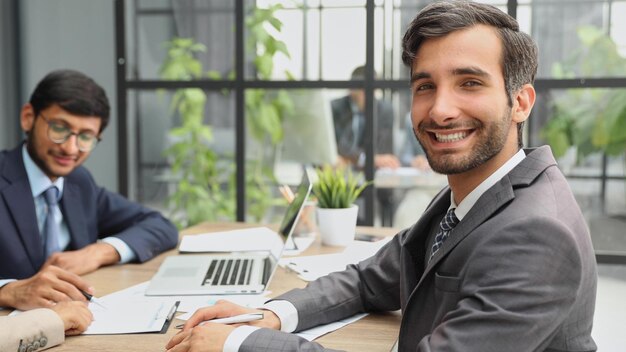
(242, 318)
(92, 299)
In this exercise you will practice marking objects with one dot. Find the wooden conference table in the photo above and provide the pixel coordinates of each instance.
(376, 332)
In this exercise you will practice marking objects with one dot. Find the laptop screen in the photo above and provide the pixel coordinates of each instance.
(292, 214)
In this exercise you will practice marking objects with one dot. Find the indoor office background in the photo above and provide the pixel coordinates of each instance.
(250, 142)
(257, 113)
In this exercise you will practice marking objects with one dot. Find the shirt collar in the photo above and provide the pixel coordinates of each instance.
(471, 199)
(39, 182)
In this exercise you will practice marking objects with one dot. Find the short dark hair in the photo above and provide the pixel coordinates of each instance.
(359, 73)
(74, 92)
(519, 56)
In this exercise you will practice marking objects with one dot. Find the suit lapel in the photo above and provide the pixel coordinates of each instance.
(74, 216)
(498, 195)
(18, 199)
(536, 161)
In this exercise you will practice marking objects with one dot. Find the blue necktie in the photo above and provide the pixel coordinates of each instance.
(51, 228)
(445, 227)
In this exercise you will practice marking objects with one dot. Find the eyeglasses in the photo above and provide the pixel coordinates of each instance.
(59, 133)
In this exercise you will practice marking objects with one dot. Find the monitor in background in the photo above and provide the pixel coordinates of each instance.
(309, 135)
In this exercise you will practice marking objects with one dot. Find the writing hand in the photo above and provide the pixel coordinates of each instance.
(76, 316)
(85, 260)
(49, 286)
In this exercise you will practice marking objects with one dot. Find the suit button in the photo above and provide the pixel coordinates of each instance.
(30, 348)
(36, 344)
(43, 341)
(22, 348)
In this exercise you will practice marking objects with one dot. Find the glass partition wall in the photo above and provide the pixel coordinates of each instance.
(220, 102)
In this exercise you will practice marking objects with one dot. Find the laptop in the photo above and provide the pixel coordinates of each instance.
(229, 273)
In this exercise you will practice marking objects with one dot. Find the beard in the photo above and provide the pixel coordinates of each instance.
(491, 139)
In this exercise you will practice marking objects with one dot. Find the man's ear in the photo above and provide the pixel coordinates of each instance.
(27, 117)
(524, 101)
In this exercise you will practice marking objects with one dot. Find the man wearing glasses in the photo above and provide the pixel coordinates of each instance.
(56, 223)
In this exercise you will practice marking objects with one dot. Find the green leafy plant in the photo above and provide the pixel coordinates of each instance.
(338, 187)
(265, 111)
(205, 186)
(592, 120)
(199, 195)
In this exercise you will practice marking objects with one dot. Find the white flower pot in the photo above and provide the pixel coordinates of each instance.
(337, 226)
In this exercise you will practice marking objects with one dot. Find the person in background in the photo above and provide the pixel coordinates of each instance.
(42, 328)
(349, 121)
(411, 152)
(349, 124)
(413, 200)
(57, 223)
(502, 258)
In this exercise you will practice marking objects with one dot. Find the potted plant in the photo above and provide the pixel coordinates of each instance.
(336, 189)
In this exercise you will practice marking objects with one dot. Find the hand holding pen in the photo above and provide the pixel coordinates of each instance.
(92, 299)
(235, 319)
(230, 313)
(196, 334)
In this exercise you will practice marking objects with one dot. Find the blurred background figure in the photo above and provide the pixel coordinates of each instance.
(349, 123)
(411, 152)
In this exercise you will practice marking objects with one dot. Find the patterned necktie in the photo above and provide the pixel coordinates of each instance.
(51, 228)
(445, 227)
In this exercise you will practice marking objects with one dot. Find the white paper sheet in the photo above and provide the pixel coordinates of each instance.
(193, 303)
(318, 331)
(243, 240)
(187, 303)
(312, 267)
(128, 317)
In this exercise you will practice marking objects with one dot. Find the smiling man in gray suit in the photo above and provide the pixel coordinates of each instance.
(501, 260)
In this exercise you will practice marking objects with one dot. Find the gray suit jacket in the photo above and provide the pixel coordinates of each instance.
(517, 273)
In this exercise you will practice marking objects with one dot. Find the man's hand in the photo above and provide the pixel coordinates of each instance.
(85, 260)
(214, 335)
(386, 160)
(203, 338)
(75, 315)
(49, 286)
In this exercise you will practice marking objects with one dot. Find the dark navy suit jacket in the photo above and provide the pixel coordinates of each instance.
(91, 212)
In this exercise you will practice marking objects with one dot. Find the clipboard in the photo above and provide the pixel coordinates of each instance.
(170, 317)
(133, 316)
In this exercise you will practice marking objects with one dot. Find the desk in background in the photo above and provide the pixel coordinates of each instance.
(403, 180)
(381, 330)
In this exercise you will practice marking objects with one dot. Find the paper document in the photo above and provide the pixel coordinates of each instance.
(312, 267)
(130, 317)
(313, 333)
(243, 240)
(187, 303)
(193, 303)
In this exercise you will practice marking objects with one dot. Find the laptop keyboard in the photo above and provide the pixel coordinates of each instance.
(228, 272)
